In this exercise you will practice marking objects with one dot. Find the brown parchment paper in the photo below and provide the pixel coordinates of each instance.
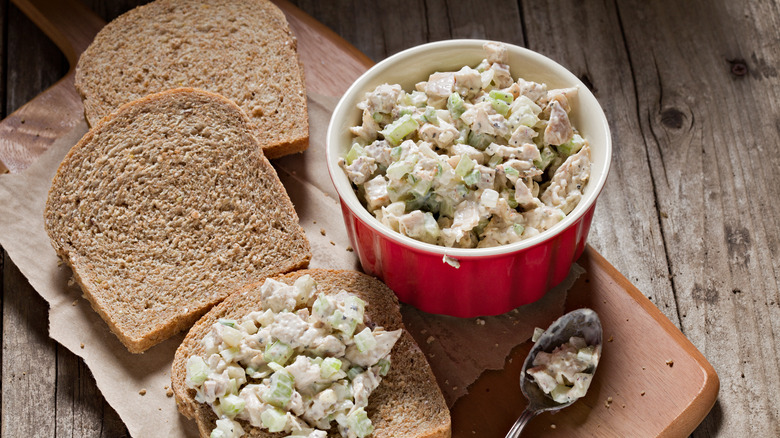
(121, 376)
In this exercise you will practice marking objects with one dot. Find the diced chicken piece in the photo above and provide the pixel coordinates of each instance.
(382, 99)
(443, 135)
(496, 52)
(532, 90)
(380, 151)
(384, 343)
(361, 169)
(482, 119)
(487, 177)
(468, 82)
(362, 386)
(559, 128)
(305, 375)
(288, 328)
(501, 76)
(376, 192)
(389, 215)
(459, 149)
(439, 87)
(523, 194)
(526, 152)
(562, 96)
(523, 134)
(368, 130)
(412, 224)
(542, 217)
(426, 168)
(565, 189)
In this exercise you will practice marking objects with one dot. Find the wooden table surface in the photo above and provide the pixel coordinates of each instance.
(689, 214)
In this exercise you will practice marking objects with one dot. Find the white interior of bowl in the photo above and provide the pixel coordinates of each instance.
(416, 64)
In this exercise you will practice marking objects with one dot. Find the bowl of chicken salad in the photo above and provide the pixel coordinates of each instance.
(468, 173)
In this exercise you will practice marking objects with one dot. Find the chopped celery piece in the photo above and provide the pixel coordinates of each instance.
(274, 419)
(322, 307)
(586, 354)
(561, 394)
(229, 354)
(354, 153)
(384, 366)
(358, 422)
(227, 322)
(354, 372)
(500, 106)
(511, 171)
(430, 116)
(538, 332)
(342, 323)
(329, 367)
(280, 391)
(395, 153)
(249, 326)
(481, 226)
(462, 190)
(547, 156)
(398, 169)
(518, 229)
(495, 160)
(416, 202)
(484, 65)
(231, 336)
(354, 308)
(463, 135)
(472, 178)
(464, 167)
(455, 105)
(502, 96)
(510, 199)
(231, 405)
(395, 132)
(365, 340)
(572, 146)
(197, 371)
(479, 141)
(278, 352)
(421, 187)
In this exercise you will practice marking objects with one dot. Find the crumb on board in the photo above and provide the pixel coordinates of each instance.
(430, 339)
(169, 393)
(670, 363)
(322, 231)
(480, 321)
(142, 392)
(349, 248)
(608, 402)
(642, 393)
(71, 281)
(454, 388)
(74, 302)
(643, 368)
(553, 426)
(611, 338)
(82, 345)
(333, 243)
(314, 222)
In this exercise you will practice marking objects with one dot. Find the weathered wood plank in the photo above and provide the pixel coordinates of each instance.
(706, 123)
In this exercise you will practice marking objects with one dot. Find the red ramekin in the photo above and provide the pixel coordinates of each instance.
(467, 282)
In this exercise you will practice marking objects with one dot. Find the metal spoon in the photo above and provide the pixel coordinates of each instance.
(584, 323)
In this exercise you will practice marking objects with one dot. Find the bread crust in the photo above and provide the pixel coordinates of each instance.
(91, 214)
(241, 49)
(408, 402)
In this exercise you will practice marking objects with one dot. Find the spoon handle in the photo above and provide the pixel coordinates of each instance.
(524, 418)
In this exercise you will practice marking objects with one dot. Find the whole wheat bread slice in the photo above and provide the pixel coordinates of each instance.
(166, 206)
(241, 49)
(408, 402)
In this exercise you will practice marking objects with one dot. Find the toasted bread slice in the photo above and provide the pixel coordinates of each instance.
(241, 49)
(408, 402)
(166, 206)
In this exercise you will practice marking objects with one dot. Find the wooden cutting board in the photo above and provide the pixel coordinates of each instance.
(651, 382)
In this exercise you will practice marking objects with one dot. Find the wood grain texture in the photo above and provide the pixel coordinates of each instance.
(688, 214)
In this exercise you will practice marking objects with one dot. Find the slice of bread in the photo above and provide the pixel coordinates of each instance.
(408, 402)
(166, 206)
(241, 49)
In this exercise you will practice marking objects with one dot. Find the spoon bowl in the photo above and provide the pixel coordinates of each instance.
(583, 323)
